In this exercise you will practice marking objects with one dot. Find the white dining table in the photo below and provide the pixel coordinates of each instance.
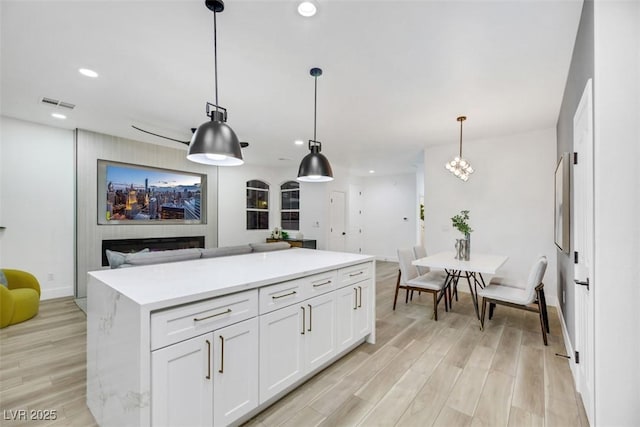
(472, 270)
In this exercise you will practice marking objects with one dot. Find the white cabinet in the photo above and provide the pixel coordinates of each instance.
(294, 341)
(181, 385)
(209, 380)
(320, 333)
(235, 371)
(346, 307)
(354, 313)
(281, 349)
(364, 312)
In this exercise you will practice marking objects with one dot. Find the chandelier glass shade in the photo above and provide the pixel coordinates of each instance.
(459, 166)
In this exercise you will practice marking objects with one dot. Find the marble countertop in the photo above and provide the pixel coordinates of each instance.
(164, 285)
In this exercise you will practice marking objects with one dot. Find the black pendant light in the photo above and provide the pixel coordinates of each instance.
(314, 166)
(214, 142)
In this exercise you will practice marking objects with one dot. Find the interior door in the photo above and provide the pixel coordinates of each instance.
(583, 243)
(337, 226)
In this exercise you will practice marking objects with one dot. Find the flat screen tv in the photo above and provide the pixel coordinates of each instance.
(135, 194)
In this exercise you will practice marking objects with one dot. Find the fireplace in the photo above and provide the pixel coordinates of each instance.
(152, 243)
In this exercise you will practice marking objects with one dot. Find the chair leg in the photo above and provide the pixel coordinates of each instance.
(543, 302)
(447, 303)
(542, 325)
(492, 306)
(397, 290)
(484, 309)
(406, 297)
(435, 306)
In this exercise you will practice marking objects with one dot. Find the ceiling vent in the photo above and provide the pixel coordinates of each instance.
(57, 103)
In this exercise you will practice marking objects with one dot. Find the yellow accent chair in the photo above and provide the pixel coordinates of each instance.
(20, 298)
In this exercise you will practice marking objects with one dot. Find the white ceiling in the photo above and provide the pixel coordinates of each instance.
(396, 73)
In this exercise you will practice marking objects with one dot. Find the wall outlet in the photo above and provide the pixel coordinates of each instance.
(50, 277)
(316, 224)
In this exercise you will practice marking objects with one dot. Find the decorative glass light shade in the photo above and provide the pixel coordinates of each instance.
(315, 167)
(215, 143)
(459, 166)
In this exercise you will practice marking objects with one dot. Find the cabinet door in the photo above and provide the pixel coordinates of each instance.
(364, 313)
(235, 371)
(182, 384)
(281, 349)
(346, 307)
(320, 337)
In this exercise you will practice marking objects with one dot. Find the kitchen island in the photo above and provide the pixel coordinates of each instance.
(214, 341)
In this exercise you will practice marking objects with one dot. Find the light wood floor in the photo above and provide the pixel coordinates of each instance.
(419, 373)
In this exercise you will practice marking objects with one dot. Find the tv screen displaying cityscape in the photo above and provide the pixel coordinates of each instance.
(142, 194)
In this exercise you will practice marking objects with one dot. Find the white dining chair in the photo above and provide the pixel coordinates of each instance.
(521, 295)
(419, 251)
(410, 280)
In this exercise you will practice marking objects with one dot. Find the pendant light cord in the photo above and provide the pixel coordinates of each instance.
(215, 56)
(461, 138)
(315, 107)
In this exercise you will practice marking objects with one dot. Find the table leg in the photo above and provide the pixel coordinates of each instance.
(474, 295)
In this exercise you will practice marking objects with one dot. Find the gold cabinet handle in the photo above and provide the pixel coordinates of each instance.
(208, 359)
(195, 319)
(356, 274)
(310, 315)
(285, 295)
(221, 370)
(304, 318)
(322, 284)
(360, 298)
(355, 301)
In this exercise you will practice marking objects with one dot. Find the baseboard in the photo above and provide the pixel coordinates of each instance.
(567, 345)
(59, 292)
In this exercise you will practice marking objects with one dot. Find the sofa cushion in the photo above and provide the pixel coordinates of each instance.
(116, 259)
(267, 247)
(159, 257)
(225, 251)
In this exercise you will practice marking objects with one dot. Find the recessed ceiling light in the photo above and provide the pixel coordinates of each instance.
(58, 116)
(307, 9)
(87, 72)
(372, 171)
(298, 142)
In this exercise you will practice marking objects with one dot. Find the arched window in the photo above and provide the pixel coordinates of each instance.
(257, 205)
(290, 205)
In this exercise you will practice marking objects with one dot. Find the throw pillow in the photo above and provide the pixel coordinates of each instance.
(3, 280)
(116, 259)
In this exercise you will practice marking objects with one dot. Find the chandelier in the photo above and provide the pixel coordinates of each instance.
(459, 166)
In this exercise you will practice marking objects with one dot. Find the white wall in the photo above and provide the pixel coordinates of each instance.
(232, 203)
(37, 203)
(510, 196)
(314, 203)
(390, 214)
(617, 203)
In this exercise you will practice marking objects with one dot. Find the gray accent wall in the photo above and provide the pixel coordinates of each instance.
(92, 146)
(581, 70)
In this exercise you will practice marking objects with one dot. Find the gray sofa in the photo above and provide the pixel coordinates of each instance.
(147, 257)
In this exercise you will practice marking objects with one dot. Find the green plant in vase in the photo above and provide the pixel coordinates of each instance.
(460, 222)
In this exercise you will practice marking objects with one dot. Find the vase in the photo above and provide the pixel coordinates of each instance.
(460, 244)
(467, 247)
